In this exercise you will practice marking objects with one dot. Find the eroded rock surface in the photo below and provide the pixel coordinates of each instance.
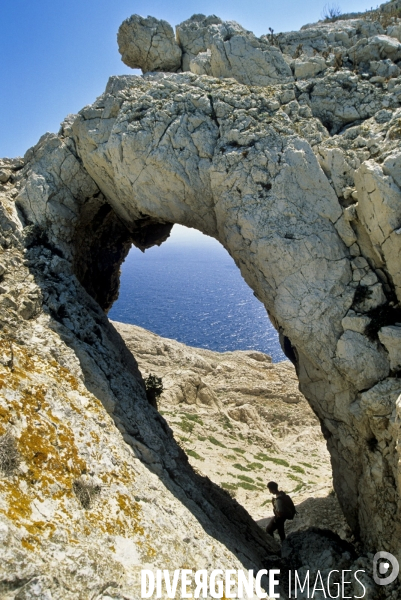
(299, 180)
(148, 44)
(257, 169)
(73, 399)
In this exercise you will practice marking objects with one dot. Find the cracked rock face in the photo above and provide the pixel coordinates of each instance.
(298, 178)
(73, 401)
(148, 44)
(310, 219)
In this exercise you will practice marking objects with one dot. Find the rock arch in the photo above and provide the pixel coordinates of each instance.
(226, 159)
(311, 218)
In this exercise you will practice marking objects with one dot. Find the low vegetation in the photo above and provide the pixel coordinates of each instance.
(193, 417)
(273, 459)
(331, 12)
(194, 455)
(187, 426)
(297, 469)
(246, 478)
(225, 421)
(154, 389)
(308, 465)
(254, 465)
(248, 486)
(9, 456)
(213, 440)
(240, 467)
(86, 492)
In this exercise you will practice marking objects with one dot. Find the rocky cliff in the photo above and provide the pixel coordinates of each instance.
(285, 148)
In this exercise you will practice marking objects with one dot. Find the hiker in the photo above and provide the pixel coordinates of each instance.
(283, 508)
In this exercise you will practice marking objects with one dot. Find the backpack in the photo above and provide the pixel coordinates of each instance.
(286, 506)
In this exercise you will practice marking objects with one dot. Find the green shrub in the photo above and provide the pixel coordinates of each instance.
(226, 422)
(229, 486)
(245, 478)
(202, 438)
(247, 486)
(154, 388)
(213, 440)
(240, 450)
(240, 467)
(308, 465)
(293, 477)
(186, 426)
(255, 465)
(9, 456)
(273, 459)
(86, 492)
(297, 469)
(192, 417)
(194, 455)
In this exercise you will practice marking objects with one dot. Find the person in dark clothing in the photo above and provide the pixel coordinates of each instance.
(283, 509)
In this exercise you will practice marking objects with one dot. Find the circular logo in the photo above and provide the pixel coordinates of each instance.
(381, 568)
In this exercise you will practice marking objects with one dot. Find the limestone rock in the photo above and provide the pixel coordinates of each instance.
(200, 64)
(320, 37)
(355, 322)
(248, 60)
(394, 31)
(379, 210)
(392, 166)
(309, 67)
(240, 167)
(225, 49)
(380, 400)
(390, 337)
(148, 44)
(195, 35)
(5, 175)
(58, 372)
(361, 361)
(299, 182)
(375, 48)
(302, 549)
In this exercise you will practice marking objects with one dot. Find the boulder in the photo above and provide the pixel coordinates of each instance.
(148, 44)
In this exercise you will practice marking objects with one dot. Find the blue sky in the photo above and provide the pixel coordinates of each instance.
(57, 55)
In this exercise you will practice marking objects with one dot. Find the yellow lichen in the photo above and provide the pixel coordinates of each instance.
(52, 460)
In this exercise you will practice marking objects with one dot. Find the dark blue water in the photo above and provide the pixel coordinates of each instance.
(190, 289)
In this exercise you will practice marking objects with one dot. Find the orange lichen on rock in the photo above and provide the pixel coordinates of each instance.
(35, 393)
(50, 457)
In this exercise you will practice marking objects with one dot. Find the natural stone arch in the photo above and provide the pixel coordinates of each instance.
(225, 159)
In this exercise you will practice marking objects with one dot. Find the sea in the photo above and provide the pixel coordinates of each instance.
(190, 290)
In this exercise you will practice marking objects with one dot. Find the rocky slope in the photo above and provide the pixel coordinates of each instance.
(286, 150)
(242, 422)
